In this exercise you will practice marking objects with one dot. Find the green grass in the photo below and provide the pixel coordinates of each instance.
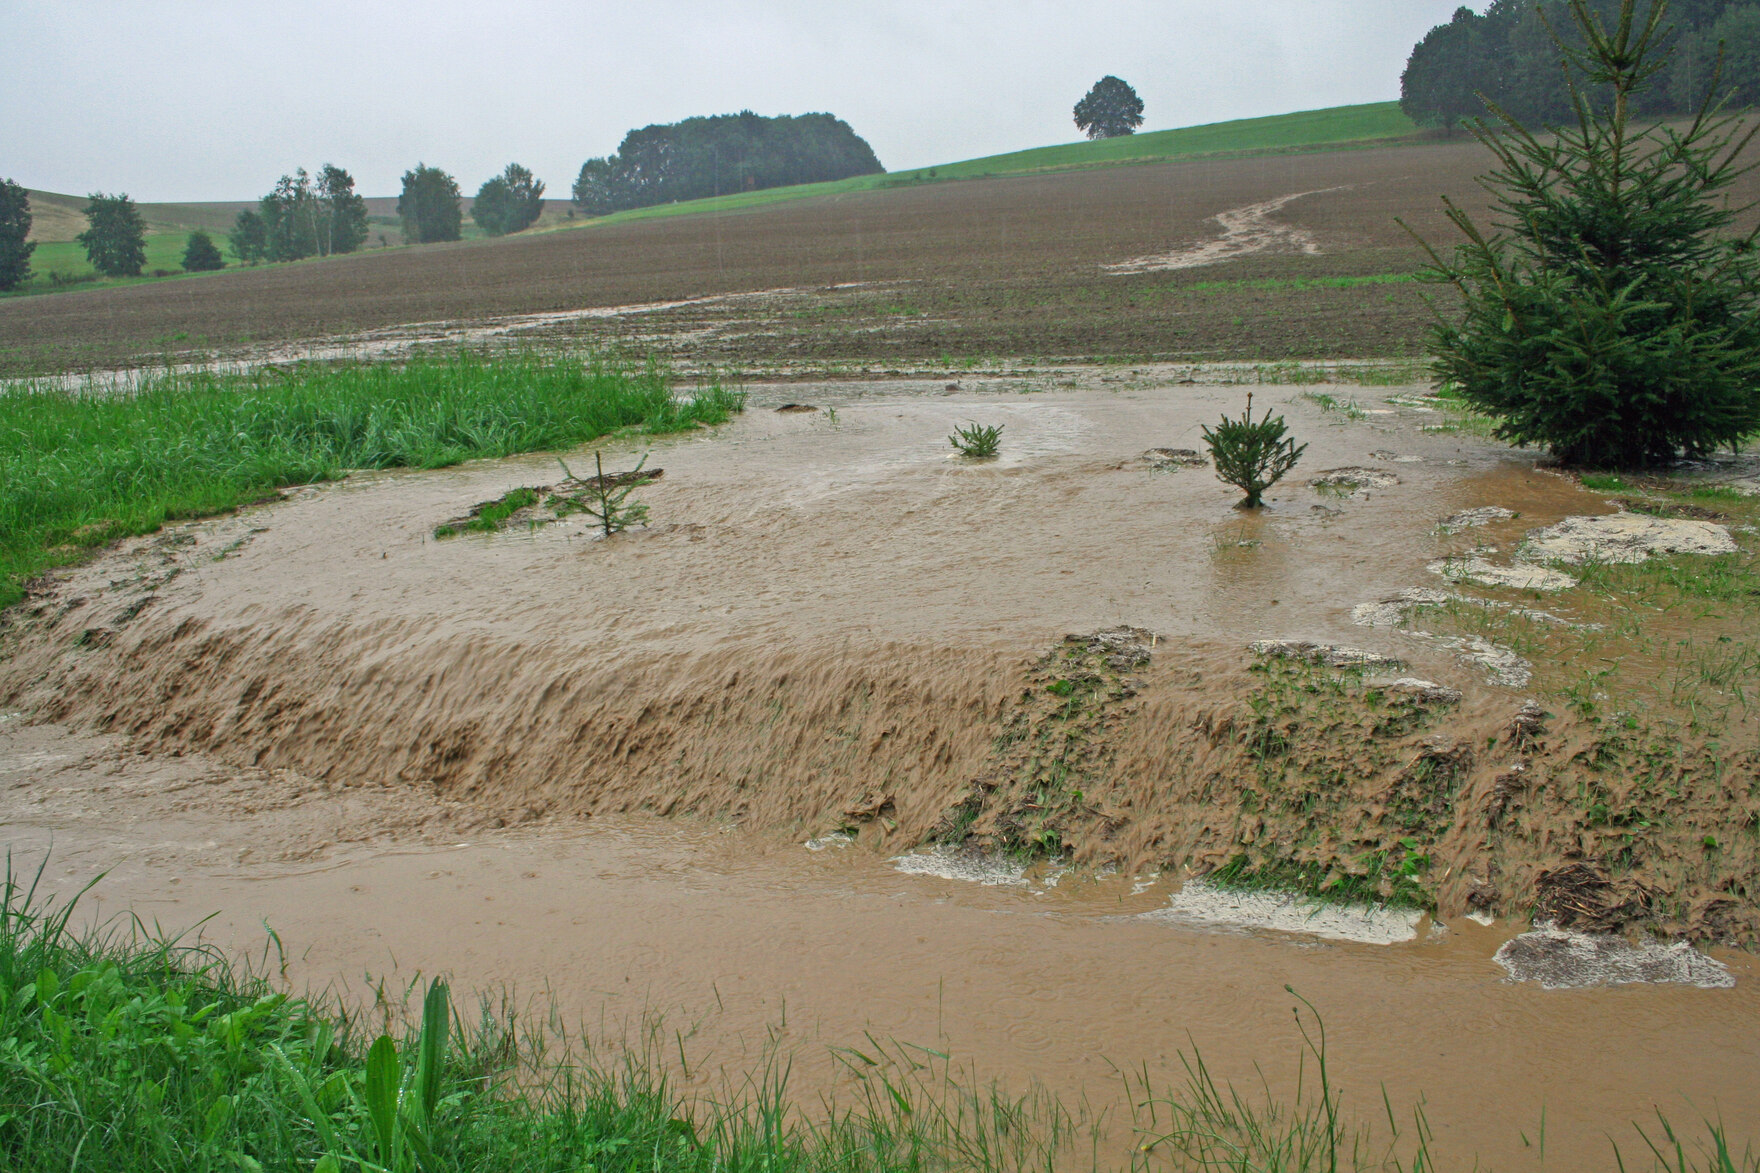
(62, 265)
(488, 516)
(80, 470)
(1348, 407)
(1308, 130)
(1336, 126)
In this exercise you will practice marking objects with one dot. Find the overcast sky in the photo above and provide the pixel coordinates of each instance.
(187, 100)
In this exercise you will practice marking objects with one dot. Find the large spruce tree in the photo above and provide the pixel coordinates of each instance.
(1612, 314)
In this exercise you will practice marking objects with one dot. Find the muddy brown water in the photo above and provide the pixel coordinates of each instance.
(319, 720)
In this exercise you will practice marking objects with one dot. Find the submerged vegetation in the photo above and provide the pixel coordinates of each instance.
(1252, 455)
(978, 441)
(80, 470)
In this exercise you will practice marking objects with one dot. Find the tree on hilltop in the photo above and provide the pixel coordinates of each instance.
(115, 239)
(428, 206)
(510, 202)
(1110, 109)
(15, 227)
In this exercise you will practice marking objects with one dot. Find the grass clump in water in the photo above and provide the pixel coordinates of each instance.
(487, 518)
(79, 470)
(978, 441)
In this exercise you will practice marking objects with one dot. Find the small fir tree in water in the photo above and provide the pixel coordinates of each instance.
(1252, 456)
(1609, 316)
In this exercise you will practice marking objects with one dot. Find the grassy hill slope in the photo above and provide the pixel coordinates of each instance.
(1339, 127)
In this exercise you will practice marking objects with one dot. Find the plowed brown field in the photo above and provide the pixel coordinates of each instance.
(940, 273)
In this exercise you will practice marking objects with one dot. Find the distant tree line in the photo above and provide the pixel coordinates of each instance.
(1508, 54)
(302, 218)
(714, 156)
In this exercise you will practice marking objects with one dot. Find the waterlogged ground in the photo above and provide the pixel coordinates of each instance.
(408, 755)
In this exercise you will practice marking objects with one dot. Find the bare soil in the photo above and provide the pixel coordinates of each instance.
(936, 273)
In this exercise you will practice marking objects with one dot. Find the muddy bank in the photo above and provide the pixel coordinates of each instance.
(832, 625)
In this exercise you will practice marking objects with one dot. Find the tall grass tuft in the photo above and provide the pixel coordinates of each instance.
(78, 470)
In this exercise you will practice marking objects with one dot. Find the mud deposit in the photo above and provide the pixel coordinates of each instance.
(835, 646)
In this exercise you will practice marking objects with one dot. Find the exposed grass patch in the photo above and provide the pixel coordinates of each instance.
(1348, 407)
(80, 470)
(1298, 284)
(1394, 883)
(489, 516)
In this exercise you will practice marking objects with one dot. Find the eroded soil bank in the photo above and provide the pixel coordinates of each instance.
(744, 940)
(834, 629)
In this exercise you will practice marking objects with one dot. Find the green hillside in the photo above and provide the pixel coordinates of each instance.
(1378, 123)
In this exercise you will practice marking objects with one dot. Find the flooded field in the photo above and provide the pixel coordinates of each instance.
(839, 657)
(743, 939)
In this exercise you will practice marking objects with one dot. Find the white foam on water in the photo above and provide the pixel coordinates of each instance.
(835, 839)
(948, 864)
(1561, 960)
(1206, 905)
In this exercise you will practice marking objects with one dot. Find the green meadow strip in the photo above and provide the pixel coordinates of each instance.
(78, 470)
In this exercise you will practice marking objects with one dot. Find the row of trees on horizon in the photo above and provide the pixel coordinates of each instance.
(303, 217)
(1509, 55)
